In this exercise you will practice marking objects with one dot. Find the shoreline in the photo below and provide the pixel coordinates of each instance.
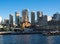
(18, 33)
(26, 33)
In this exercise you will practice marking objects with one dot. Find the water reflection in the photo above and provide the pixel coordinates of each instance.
(29, 39)
(1, 40)
(50, 39)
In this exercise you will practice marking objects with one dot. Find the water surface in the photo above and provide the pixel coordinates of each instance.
(29, 39)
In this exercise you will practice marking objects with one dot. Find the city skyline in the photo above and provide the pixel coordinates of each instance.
(33, 14)
(49, 7)
(29, 21)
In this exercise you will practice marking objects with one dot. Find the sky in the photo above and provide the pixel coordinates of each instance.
(48, 7)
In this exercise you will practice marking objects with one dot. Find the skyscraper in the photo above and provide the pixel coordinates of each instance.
(11, 20)
(17, 18)
(33, 18)
(56, 17)
(44, 20)
(25, 16)
(39, 15)
(21, 19)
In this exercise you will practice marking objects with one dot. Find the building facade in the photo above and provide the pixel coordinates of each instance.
(44, 20)
(49, 18)
(32, 18)
(17, 18)
(39, 16)
(6, 22)
(11, 20)
(25, 17)
(56, 17)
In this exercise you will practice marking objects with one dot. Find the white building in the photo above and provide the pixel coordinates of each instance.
(1, 26)
(0, 19)
(49, 18)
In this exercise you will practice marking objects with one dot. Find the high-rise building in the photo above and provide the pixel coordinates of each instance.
(6, 22)
(39, 15)
(20, 19)
(56, 17)
(43, 21)
(25, 16)
(32, 18)
(17, 18)
(11, 20)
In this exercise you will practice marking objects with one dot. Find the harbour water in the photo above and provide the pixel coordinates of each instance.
(29, 39)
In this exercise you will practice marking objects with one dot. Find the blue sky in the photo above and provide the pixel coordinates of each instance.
(49, 7)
